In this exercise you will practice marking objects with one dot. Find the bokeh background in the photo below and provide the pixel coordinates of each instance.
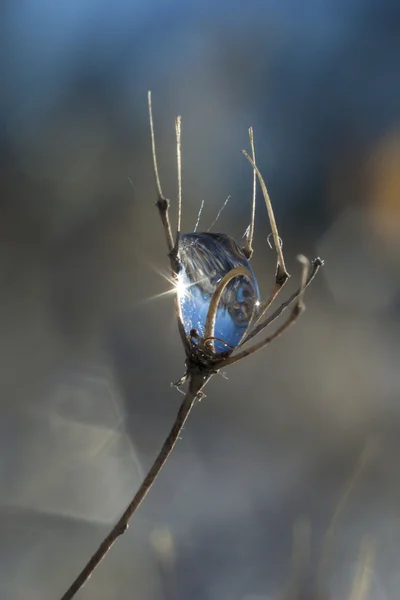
(88, 348)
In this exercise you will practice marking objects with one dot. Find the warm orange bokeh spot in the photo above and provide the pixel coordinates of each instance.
(384, 191)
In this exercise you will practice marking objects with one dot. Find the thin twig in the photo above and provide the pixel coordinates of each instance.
(281, 271)
(178, 122)
(219, 212)
(196, 384)
(248, 248)
(199, 216)
(315, 266)
(292, 318)
(162, 202)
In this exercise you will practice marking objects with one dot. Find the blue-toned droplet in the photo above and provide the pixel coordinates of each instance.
(205, 259)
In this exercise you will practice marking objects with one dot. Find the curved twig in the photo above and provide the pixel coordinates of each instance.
(316, 264)
(216, 297)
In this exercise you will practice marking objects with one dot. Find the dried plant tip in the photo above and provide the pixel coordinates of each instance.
(153, 148)
(219, 212)
(199, 216)
(282, 274)
(178, 122)
(248, 248)
(162, 202)
(303, 281)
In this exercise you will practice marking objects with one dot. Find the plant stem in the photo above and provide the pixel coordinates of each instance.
(196, 384)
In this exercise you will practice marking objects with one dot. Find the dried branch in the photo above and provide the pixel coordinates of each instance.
(197, 382)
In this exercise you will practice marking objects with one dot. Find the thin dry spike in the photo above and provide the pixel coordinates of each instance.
(162, 202)
(153, 148)
(199, 216)
(178, 121)
(219, 213)
(316, 265)
(246, 233)
(216, 297)
(282, 274)
(248, 248)
(163, 206)
(294, 315)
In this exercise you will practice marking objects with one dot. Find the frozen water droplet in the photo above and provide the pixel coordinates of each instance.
(205, 259)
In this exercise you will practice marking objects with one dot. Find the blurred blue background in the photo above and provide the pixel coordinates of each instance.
(88, 350)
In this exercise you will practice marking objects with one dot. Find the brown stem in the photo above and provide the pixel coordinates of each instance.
(196, 384)
(317, 263)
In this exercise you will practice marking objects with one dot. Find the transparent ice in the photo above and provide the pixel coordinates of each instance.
(205, 259)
